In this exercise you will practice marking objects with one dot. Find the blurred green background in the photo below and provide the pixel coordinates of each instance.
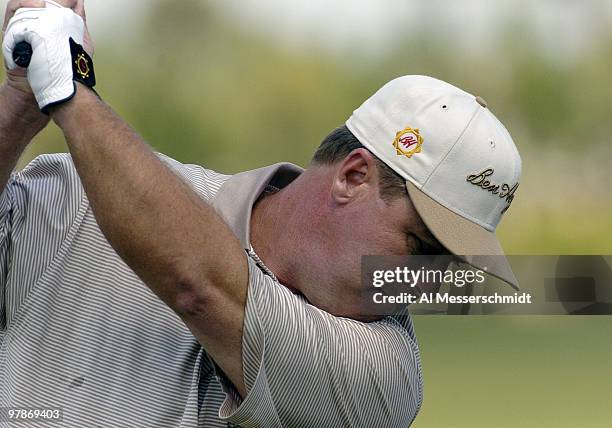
(237, 85)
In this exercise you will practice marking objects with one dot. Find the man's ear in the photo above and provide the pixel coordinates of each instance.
(355, 176)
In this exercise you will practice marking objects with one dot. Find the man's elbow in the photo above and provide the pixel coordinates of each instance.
(207, 281)
(188, 304)
(184, 291)
(197, 294)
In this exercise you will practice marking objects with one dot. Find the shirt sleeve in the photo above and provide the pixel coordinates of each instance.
(304, 367)
(38, 210)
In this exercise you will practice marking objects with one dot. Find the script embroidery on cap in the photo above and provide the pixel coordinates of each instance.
(408, 142)
(503, 190)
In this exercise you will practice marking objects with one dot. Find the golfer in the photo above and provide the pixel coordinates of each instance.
(137, 291)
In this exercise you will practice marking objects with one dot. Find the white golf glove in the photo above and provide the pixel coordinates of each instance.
(58, 59)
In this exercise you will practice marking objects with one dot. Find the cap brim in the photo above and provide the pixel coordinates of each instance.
(468, 240)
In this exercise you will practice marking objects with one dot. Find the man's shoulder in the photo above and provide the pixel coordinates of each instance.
(60, 167)
(48, 164)
(205, 182)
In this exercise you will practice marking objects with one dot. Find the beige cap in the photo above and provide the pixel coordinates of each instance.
(461, 166)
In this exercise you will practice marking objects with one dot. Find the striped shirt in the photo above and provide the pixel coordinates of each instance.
(81, 332)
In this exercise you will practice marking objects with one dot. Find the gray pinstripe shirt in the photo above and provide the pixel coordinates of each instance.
(80, 331)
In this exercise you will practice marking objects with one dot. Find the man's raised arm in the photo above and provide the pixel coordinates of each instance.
(20, 121)
(168, 235)
(164, 231)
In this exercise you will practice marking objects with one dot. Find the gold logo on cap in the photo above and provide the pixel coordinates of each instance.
(408, 142)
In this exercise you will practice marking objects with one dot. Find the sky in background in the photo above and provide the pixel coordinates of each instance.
(562, 28)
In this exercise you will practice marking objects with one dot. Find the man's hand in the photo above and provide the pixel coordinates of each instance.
(17, 78)
(56, 36)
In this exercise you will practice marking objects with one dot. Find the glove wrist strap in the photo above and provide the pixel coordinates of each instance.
(82, 65)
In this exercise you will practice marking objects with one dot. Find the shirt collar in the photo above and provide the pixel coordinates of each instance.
(235, 198)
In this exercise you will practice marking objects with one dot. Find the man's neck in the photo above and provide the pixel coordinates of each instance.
(280, 225)
(268, 225)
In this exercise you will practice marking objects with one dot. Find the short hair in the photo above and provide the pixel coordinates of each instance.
(340, 142)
